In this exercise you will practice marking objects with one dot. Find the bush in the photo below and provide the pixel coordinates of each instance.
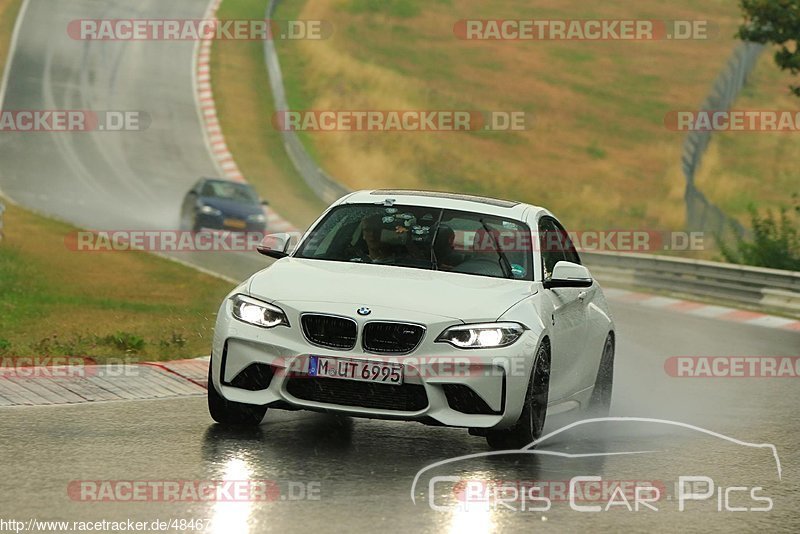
(775, 242)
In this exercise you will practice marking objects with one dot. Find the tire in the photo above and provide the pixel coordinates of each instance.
(530, 424)
(230, 413)
(600, 402)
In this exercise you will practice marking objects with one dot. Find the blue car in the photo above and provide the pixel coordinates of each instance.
(223, 205)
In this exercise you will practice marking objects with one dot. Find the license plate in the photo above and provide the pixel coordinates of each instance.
(361, 370)
(235, 223)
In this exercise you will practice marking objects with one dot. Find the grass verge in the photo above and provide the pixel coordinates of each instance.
(9, 9)
(102, 305)
(597, 152)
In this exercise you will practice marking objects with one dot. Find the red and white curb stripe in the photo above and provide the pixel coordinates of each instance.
(152, 380)
(702, 310)
(223, 159)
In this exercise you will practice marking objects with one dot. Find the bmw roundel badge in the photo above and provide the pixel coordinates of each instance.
(363, 311)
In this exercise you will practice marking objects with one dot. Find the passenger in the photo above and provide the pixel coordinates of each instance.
(444, 248)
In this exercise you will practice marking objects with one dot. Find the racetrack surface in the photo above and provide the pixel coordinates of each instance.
(363, 469)
(109, 180)
(360, 471)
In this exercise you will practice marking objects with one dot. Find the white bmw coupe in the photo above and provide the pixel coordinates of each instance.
(441, 308)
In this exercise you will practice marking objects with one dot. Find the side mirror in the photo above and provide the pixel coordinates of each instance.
(275, 245)
(568, 274)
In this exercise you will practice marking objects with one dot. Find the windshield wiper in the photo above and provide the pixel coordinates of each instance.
(504, 263)
(434, 260)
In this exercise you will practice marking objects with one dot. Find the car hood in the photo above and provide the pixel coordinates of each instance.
(232, 208)
(458, 296)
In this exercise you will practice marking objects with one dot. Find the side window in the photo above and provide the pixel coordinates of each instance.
(551, 246)
(570, 254)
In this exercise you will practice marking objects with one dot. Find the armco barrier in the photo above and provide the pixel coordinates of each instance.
(325, 187)
(753, 287)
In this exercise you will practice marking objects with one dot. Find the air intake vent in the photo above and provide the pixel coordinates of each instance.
(406, 398)
(463, 399)
(254, 377)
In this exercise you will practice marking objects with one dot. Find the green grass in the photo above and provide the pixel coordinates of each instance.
(9, 9)
(55, 301)
(598, 137)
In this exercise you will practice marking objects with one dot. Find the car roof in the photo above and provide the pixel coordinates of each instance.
(457, 201)
(224, 180)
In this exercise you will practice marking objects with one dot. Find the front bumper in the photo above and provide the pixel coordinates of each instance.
(233, 224)
(442, 385)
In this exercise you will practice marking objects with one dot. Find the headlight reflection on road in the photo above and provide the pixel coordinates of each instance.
(471, 515)
(232, 517)
(472, 519)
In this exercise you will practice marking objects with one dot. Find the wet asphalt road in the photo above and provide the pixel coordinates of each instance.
(339, 474)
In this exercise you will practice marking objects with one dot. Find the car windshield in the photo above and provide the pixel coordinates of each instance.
(229, 191)
(423, 238)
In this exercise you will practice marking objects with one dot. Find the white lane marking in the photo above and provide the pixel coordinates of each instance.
(711, 311)
(771, 321)
(660, 301)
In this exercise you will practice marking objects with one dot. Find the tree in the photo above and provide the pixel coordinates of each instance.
(778, 22)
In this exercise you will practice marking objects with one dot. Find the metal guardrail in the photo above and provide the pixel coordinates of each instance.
(324, 185)
(753, 287)
(749, 286)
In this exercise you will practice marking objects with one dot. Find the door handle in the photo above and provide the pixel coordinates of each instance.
(582, 295)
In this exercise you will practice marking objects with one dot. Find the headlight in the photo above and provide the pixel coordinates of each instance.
(482, 336)
(258, 217)
(208, 210)
(258, 313)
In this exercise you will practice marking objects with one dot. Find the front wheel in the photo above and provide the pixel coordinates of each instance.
(231, 413)
(530, 424)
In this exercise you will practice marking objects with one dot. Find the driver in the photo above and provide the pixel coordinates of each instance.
(371, 229)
